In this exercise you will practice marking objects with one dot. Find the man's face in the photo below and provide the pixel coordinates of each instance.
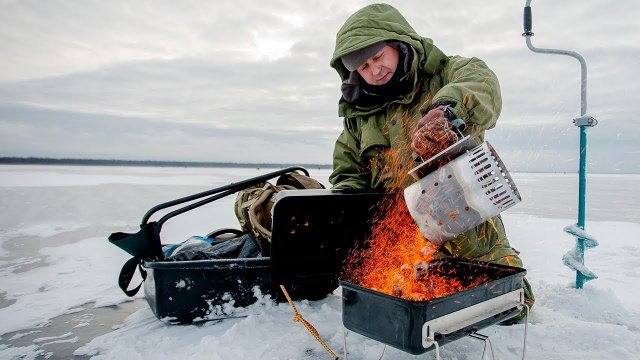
(379, 68)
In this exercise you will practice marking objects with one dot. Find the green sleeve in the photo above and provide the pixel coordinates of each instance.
(475, 90)
(348, 170)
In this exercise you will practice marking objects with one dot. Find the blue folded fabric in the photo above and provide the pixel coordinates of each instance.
(201, 248)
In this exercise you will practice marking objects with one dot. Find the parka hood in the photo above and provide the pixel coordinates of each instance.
(378, 22)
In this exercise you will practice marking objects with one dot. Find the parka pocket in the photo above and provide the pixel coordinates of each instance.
(372, 140)
(372, 151)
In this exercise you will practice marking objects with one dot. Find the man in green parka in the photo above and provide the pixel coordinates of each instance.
(400, 94)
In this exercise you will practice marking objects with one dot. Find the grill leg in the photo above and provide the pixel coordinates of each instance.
(344, 338)
(486, 340)
(435, 343)
(437, 349)
(526, 326)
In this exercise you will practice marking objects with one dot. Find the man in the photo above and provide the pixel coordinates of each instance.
(400, 94)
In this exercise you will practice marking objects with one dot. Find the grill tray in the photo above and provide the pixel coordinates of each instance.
(405, 324)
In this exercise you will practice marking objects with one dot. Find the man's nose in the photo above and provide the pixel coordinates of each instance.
(376, 68)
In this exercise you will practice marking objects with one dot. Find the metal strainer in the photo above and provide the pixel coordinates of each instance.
(461, 194)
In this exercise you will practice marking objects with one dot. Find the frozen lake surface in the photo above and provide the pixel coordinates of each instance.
(58, 274)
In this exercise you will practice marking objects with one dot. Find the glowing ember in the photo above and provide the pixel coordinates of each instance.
(395, 258)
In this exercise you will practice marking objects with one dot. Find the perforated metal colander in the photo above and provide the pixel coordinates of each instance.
(461, 194)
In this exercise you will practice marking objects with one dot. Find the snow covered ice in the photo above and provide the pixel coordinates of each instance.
(55, 263)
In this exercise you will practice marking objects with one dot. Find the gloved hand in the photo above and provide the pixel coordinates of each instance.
(432, 134)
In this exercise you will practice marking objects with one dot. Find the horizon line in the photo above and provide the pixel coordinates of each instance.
(32, 160)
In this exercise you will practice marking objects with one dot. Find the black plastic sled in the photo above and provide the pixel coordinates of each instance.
(184, 291)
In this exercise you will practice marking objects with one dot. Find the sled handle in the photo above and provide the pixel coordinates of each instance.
(220, 191)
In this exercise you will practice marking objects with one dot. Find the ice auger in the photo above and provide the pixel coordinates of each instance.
(574, 258)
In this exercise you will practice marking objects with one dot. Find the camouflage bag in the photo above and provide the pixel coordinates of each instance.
(253, 205)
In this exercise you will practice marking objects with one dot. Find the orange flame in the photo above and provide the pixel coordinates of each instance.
(395, 257)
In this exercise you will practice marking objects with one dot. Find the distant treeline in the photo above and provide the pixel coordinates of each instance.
(98, 162)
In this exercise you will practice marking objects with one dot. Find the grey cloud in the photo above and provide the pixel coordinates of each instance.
(30, 132)
(191, 73)
(192, 90)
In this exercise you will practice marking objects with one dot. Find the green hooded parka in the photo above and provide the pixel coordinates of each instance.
(361, 157)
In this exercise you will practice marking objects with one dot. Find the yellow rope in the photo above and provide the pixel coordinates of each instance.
(298, 318)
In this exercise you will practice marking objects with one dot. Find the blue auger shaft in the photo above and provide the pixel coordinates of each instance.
(582, 192)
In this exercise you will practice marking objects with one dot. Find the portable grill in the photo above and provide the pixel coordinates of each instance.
(415, 326)
(313, 231)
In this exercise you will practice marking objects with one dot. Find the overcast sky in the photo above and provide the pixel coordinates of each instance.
(249, 81)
